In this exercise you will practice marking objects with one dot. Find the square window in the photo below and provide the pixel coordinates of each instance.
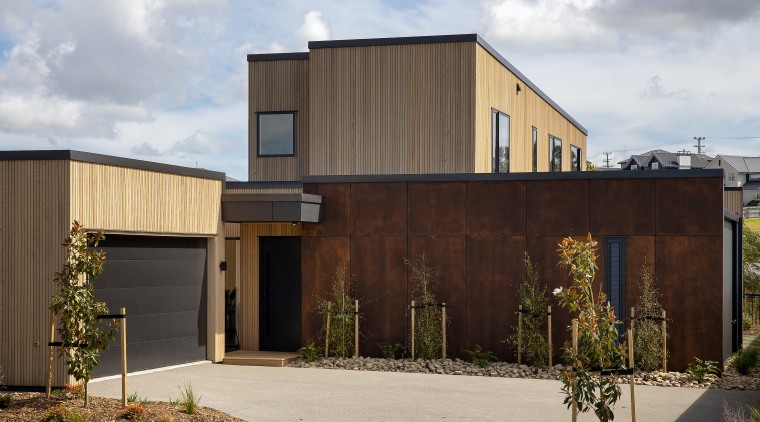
(276, 134)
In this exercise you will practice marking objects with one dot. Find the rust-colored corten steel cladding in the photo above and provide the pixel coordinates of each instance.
(475, 228)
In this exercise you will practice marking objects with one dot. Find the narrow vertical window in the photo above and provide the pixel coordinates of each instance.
(614, 274)
(535, 149)
(500, 142)
(575, 158)
(555, 153)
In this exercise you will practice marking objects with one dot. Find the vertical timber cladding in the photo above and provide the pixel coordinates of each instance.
(279, 85)
(34, 219)
(672, 223)
(248, 295)
(392, 109)
(496, 87)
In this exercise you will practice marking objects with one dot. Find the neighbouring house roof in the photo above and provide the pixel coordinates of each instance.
(668, 160)
(742, 164)
(751, 185)
(433, 39)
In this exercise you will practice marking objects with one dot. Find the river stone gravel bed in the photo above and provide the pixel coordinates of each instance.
(730, 380)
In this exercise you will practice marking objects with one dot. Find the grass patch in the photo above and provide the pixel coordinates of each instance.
(753, 224)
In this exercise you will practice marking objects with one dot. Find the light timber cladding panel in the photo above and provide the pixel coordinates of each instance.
(34, 219)
(120, 199)
(392, 109)
(281, 85)
(496, 88)
(248, 295)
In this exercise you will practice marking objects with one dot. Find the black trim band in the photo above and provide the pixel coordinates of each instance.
(295, 184)
(267, 57)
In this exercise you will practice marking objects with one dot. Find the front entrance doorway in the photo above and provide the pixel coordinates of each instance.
(280, 293)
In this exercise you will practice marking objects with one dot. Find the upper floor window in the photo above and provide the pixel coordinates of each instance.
(500, 140)
(634, 166)
(535, 149)
(575, 158)
(555, 153)
(276, 133)
(655, 165)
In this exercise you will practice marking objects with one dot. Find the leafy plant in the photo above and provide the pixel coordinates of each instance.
(598, 345)
(165, 418)
(5, 400)
(389, 351)
(73, 391)
(133, 412)
(188, 399)
(428, 332)
(309, 353)
(82, 335)
(750, 259)
(745, 359)
(339, 305)
(481, 358)
(62, 413)
(134, 398)
(647, 340)
(531, 294)
(699, 369)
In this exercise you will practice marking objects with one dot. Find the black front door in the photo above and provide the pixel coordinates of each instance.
(280, 293)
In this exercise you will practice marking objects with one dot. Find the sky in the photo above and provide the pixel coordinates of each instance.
(166, 81)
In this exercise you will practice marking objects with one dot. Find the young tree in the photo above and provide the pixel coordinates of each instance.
(428, 332)
(82, 334)
(647, 340)
(339, 305)
(531, 294)
(598, 345)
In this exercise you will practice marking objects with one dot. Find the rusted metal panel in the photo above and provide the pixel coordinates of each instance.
(438, 208)
(558, 207)
(336, 211)
(622, 207)
(690, 207)
(496, 208)
(378, 209)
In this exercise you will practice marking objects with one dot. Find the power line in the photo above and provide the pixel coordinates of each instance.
(729, 137)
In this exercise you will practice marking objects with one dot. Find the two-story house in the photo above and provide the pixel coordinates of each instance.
(740, 172)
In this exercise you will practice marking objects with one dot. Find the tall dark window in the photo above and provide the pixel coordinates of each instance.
(535, 149)
(276, 133)
(500, 147)
(555, 153)
(575, 158)
(614, 275)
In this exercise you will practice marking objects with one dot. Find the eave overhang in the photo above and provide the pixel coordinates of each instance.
(271, 208)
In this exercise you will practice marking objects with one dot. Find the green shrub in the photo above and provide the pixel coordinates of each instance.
(188, 399)
(339, 305)
(647, 337)
(390, 351)
(73, 391)
(745, 359)
(133, 412)
(134, 398)
(5, 400)
(481, 358)
(699, 369)
(62, 413)
(309, 353)
(428, 331)
(531, 294)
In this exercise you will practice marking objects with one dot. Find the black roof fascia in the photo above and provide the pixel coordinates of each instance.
(433, 39)
(468, 177)
(110, 160)
(267, 57)
(297, 184)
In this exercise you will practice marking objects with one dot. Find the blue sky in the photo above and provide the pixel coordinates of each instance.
(166, 80)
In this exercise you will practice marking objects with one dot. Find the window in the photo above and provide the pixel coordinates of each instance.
(276, 133)
(575, 158)
(555, 153)
(634, 166)
(614, 275)
(500, 147)
(535, 149)
(655, 165)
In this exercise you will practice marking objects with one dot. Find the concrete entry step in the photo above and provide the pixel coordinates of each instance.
(258, 358)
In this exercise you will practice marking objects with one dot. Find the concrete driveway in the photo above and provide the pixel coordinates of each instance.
(294, 394)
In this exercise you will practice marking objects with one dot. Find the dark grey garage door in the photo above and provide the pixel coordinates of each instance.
(162, 283)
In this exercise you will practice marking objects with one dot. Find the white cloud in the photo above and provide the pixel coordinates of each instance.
(314, 28)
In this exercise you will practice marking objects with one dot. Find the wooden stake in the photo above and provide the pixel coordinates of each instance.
(123, 357)
(519, 334)
(327, 330)
(664, 343)
(633, 315)
(412, 330)
(631, 380)
(549, 332)
(575, 353)
(51, 354)
(356, 328)
(443, 329)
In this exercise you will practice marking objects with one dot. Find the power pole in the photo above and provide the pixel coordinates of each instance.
(607, 159)
(699, 145)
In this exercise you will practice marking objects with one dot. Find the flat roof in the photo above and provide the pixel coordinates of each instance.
(566, 175)
(90, 157)
(431, 39)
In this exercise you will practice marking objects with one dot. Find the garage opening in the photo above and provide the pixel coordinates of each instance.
(161, 281)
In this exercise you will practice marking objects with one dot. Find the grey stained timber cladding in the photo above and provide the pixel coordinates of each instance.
(161, 281)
